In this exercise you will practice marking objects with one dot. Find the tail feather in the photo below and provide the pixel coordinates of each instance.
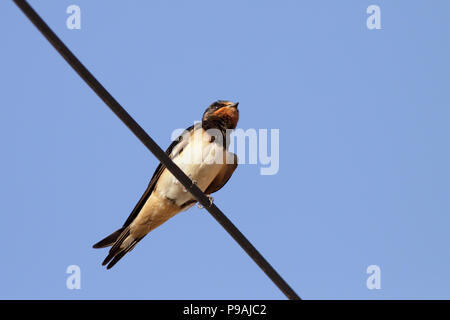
(122, 253)
(116, 247)
(123, 243)
(109, 240)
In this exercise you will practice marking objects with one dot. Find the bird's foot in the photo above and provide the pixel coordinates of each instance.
(211, 200)
(193, 182)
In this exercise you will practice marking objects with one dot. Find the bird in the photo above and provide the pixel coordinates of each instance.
(201, 152)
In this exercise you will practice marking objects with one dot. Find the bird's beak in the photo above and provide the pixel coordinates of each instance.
(235, 105)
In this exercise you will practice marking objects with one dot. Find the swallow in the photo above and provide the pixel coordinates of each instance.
(196, 152)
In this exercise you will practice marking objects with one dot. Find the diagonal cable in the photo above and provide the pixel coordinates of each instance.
(123, 115)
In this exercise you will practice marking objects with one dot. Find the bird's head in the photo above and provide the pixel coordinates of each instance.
(221, 114)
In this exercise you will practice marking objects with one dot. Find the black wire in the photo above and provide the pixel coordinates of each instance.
(155, 149)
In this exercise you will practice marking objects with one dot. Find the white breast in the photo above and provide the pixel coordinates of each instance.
(200, 159)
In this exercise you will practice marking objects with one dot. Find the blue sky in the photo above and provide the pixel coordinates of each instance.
(364, 173)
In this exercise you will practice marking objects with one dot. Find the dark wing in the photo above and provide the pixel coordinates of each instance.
(223, 176)
(175, 147)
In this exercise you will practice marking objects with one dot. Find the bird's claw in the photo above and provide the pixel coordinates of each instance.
(211, 200)
(194, 182)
